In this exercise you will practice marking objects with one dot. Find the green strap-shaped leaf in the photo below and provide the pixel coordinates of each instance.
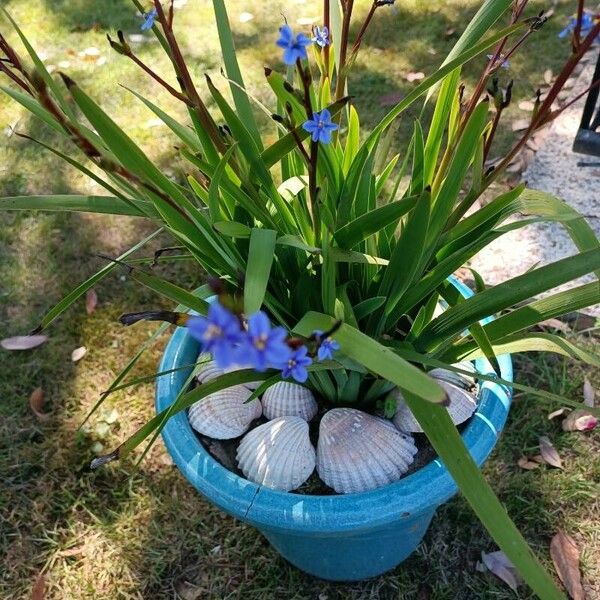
(505, 295)
(537, 311)
(375, 357)
(185, 134)
(232, 69)
(41, 69)
(536, 342)
(478, 26)
(426, 84)
(439, 122)
(35, 108)
(74, 203)
(445, 198)
(260, 258)
(448, 444)
(366, 225)
(171, 291)
(406, 257)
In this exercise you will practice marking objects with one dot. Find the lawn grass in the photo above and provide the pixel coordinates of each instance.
(121, 533)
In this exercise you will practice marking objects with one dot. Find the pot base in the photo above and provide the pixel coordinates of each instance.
(352, 556)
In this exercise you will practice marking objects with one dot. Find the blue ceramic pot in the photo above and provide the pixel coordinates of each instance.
(340, 537)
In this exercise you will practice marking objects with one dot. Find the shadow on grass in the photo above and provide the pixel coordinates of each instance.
(98, 15)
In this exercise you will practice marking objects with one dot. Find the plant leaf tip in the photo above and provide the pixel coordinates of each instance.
(100, 461)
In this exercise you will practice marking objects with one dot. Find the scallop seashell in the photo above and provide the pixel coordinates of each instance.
(461, 380)
(462, 405)
(226, 414)
(358, 452)
(208, 370)
(251, 385)
(278, 454)
(289, 399)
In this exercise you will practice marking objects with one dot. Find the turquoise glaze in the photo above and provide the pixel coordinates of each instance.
(340, 537)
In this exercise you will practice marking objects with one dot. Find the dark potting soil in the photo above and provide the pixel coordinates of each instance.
(224, 452)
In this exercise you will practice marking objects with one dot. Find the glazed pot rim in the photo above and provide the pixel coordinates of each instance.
(419, 492)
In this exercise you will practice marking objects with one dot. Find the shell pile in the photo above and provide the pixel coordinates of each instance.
(359, 452)
(278, 454)
(461, 391)
(356, 451)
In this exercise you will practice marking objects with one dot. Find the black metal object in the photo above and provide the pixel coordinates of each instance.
(587, 140)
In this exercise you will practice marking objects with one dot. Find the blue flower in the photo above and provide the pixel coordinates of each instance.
(149, 18)
(296, 365)
(265, 346)
(294, 46)
(505, 62)
(219, 333)
(320, 126)
(327, 346)
(321, 36)
(587, 22)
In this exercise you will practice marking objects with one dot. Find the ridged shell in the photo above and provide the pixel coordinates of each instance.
(209, 371)
(251, 385)
(461, 380)
(289, 399)
(224, 415)
(278, 454)
(462, 406)
(358, 452)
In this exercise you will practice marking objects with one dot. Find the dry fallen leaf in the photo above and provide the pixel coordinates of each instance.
(23, 342)
(580, 420)
(78, 353)
(526, 463)
(565, 557)
(589, 393)
(549, 453)
(91, 301)
(36, 403)
(556, 413)
(38, 592)
(501, 567)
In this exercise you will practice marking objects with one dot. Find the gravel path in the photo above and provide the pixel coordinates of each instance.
(558, 170)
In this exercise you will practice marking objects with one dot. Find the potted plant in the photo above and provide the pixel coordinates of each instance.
(330, 263)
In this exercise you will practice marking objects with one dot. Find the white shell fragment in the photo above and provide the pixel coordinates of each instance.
(358, 452)
(462, 405)
(278, 454)
(226, 414)
(289, 399)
